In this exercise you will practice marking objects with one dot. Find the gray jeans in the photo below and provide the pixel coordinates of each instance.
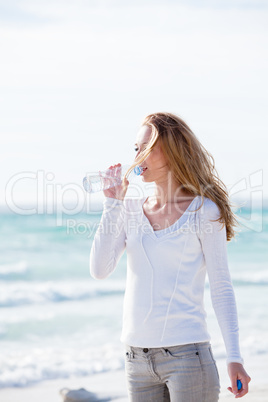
(185, 373)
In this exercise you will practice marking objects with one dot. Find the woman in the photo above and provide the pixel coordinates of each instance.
(172, 239)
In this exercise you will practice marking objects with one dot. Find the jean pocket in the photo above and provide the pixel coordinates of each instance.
(178, 353)
(214, 361)
(211, 354)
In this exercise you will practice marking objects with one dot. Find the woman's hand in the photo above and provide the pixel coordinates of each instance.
(236, 372)
(113, 174)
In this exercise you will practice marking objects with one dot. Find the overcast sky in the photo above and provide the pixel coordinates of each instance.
(77, 77)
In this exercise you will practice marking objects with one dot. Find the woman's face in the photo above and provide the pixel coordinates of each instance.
(156, 167)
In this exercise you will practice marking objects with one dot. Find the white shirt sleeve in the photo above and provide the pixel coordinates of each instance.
(214, 245)
(109, 241)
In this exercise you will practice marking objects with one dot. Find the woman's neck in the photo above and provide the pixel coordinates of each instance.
(169, 193)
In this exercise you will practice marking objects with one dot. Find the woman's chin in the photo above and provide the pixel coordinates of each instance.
(146, 179)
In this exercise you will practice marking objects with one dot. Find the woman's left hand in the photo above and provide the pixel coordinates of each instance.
(236, 372)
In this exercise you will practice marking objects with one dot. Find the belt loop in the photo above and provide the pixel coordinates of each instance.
(131, 352)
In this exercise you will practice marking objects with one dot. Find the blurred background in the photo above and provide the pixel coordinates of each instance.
(77, 78)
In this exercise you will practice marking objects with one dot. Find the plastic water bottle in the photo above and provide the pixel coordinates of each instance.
(99, 181)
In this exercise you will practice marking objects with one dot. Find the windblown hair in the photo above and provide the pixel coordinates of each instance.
(192, 166)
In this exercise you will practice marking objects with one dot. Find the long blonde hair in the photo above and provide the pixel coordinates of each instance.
(190, 163)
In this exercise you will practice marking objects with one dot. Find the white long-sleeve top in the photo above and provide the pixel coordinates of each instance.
(166, 270)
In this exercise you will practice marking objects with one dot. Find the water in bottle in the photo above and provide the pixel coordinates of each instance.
(99, 181)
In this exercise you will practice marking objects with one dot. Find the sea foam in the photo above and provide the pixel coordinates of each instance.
(21, 292)
(13, 268)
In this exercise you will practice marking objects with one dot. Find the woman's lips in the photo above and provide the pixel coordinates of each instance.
(143, 170)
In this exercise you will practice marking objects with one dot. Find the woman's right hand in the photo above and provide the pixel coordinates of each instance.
(119, 191)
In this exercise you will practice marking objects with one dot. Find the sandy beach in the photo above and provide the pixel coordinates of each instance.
(111, 386)
(106, 387)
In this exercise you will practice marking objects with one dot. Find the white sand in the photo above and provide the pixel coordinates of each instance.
(105, 386)
(112, 386)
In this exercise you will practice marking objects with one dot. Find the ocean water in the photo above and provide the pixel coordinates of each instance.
(57, 321)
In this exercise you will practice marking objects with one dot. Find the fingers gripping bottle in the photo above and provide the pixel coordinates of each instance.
(99, 181)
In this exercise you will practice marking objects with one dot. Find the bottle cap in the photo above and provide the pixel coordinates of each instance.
(138, 170)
